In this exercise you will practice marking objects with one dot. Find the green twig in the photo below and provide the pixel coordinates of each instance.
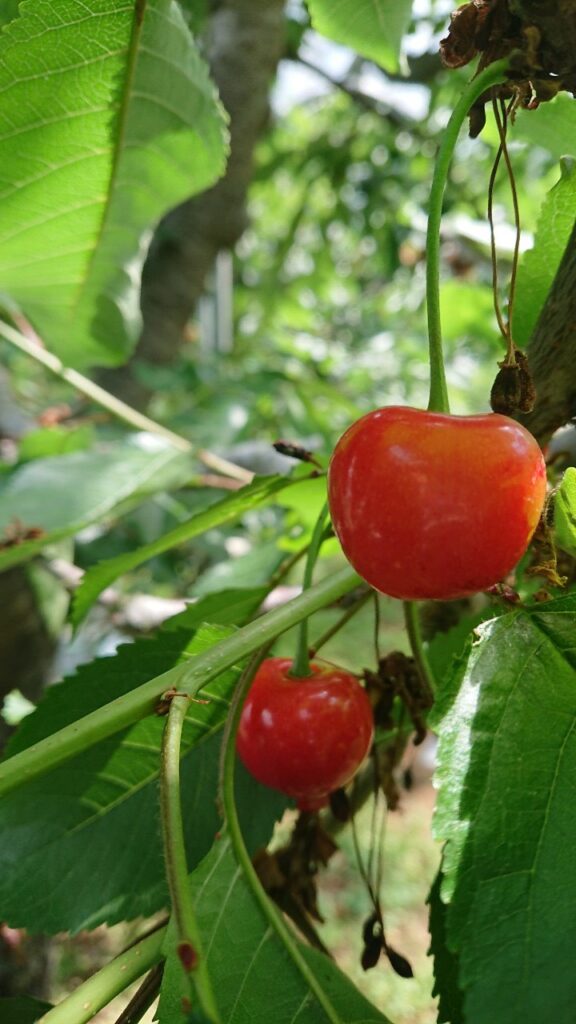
(362, 599)
(188, 935)
(116, 407)
(103, 987)
(491, 75)
(412, 621)
(188, 677)
(301, 664)
(271, 914)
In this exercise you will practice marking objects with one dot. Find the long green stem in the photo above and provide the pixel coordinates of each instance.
(188, 934)
(301, 665)
(188, 678)
(491, 75)
(268, 909)
(412, 621)
(103, 987)
(115, 406)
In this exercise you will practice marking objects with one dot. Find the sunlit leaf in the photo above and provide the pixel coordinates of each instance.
(374, 28)
(101, 131)
(538, 266)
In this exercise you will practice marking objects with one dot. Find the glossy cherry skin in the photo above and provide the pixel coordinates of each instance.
(304, 736)
(427, 505)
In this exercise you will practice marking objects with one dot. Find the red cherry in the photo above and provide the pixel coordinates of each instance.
(427, 505)
(305, 736)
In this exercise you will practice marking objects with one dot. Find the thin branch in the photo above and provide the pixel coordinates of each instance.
(115, 406)
(361, 98)
(412, 621)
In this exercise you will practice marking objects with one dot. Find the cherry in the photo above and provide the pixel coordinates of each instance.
(307, 735)
(428, 505)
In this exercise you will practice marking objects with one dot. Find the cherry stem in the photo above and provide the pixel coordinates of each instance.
(501, 118)
(412, 621)
(187, 932)
(301, 665)
(491, 75)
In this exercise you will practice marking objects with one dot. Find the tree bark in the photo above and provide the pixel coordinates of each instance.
(552, 352)
(245, 41)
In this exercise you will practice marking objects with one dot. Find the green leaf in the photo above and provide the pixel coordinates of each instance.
(450, 1007)
(565, 512)
(466, 311)
(56, 440)
(250, 570)
(538, 266)
(506, 756)
(62, 494)
(108, 119)
(446, 647)
(226, 511)
(72, 825)
(8, 11)
(22, 1010)
(374, 28)
(253, 975)
(552, 125)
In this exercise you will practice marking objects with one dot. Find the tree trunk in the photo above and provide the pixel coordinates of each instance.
(245, 41)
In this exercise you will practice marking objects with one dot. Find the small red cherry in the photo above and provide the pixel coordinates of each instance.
(304, 736)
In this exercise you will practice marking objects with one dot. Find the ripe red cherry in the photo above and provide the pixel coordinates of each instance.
(427, 505)
(305, 736)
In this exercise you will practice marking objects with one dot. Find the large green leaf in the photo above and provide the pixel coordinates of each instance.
(108, 119)
(506, 773)
(253, 975)
(226, 511)
(97, 816)
(539, 264)
(63, 494)
(374, 28)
